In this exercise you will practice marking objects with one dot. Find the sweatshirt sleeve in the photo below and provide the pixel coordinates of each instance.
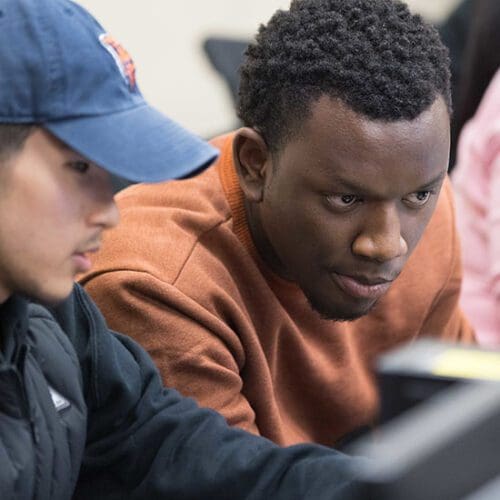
(146, 441)
(196, 351)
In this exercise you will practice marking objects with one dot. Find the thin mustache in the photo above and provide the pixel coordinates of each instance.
(91, 246)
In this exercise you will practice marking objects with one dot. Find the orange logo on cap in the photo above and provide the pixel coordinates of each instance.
(122, 58)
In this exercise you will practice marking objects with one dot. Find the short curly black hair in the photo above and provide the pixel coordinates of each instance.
(375, 55)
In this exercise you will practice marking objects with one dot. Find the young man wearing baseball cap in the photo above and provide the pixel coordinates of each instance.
(82, 410)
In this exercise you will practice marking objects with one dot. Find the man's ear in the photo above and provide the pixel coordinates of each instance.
(251, 158)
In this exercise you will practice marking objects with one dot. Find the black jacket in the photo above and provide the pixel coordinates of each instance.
(83, 412)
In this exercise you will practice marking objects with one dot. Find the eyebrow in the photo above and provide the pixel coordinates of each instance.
(76, 156)
(436, 180)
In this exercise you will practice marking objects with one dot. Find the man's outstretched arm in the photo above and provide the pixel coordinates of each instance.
(146, 441)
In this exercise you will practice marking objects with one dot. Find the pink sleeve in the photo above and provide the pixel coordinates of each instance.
(494, 226)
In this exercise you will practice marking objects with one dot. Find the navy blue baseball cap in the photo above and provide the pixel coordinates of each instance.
(61, 70)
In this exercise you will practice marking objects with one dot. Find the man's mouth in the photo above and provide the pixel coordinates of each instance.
(81, 259)
(362, 287)
(82, 262)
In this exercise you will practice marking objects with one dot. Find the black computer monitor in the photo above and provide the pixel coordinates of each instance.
(441, 435)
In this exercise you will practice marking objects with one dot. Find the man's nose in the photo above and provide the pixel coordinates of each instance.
(381, 238)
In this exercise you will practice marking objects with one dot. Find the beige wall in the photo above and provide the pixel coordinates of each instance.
(165, 37)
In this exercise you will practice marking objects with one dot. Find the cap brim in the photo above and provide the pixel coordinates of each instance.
(140, 144)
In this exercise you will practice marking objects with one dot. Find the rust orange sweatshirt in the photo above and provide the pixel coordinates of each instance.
(181, 275)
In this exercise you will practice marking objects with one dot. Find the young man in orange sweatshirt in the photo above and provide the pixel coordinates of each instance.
(83, 412)
(323, 236)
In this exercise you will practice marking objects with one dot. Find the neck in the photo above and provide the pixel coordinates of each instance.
(4, 294)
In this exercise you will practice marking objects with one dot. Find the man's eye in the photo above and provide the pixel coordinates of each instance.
(342, 200)
(419, 198)
(81, 166)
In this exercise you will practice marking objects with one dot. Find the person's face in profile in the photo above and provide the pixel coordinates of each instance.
(54, 205)
(344, 203)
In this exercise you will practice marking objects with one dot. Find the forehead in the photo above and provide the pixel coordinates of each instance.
(42, 145)
(39, 161)
(338, 144)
